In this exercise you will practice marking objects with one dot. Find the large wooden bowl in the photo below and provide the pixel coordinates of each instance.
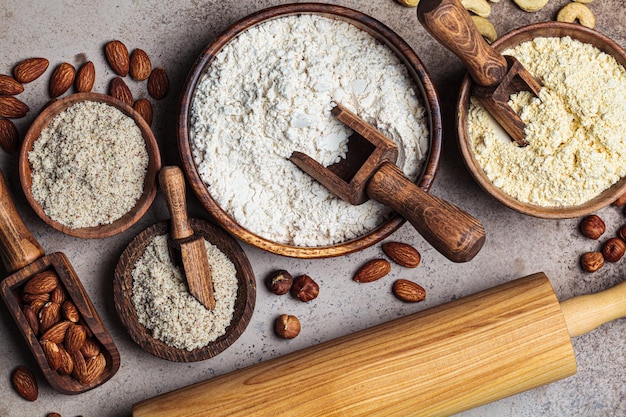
(123, 290)
(150, 184)
(382, 33)
(510, 40)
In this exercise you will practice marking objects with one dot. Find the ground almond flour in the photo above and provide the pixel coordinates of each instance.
(268, 93)
(576, 127)
(88, 165)
(165, 307)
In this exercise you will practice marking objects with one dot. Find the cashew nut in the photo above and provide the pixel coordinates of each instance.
(408, 3)
(576, 11)
(583, 1)
(478, 7)
(531, 5)
(486, 29)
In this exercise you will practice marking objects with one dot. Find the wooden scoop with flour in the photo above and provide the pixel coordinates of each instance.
(369, 171)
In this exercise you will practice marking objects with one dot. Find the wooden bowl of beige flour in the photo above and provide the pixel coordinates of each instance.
(575, 163)
(265, 88)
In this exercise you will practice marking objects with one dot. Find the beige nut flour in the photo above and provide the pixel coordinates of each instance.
(576, 127)
(166, 308)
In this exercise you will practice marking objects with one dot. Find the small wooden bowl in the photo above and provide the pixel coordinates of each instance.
(379, 31)
(123, 290)
(510, 40)
(150, 185)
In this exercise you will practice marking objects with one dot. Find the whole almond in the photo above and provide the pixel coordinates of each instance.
(80, 365)
(24, 383)
(66, 365)
(74, 338)
(58, 295)
(52, 353)
(408, 291)
(29, 298)
(402, 254)
(93, 369)
(70, 311)
(140, 66)
(36, 305)
(9, 136)
(9, 86)
(31, 318)
(158, 83)
(62, 79)
(49, 315)
(144, 108)
(119, 90)
(30, 69)
(85, 78)
(12, 108)
(42, 283)
(56, 333)
(373, 270)
(90, 348)
(116, 54)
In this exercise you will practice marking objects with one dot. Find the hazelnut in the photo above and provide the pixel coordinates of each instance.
(304, 288)
(279, 282)
(613, 249)
(592, 226)
(622, 233)
(592, 261)
(287, 326)
(620, 201)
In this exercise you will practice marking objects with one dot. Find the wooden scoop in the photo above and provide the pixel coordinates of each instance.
(497, 76)
(369, 171)
(187, 249)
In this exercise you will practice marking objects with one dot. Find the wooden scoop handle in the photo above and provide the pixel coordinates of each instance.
(453, 232)
(18, 246)
(172, 183)
(449, 23)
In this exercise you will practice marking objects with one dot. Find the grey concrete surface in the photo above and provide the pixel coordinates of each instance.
(174, 33)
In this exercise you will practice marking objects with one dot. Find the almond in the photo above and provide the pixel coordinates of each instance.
(158, 83)
(12, 108)
(119, 90)
(140, 65)
(94, 368)
(30, 69)
(373, 270)
(66, 365)
(85, 78)
(90, 348)
(42, 283)
(52, 354)
(24, 382)
(37, 305)
(116, 54)
(58, 295)
(70, 311)
(62, 79)
(74, 338)
(80, 365)
(402, 254)
(144, 108)
(9, 137)
(30, 298)
(31, 318)
(56, 333)
(408, 291)
(10, 86)
(49, 315)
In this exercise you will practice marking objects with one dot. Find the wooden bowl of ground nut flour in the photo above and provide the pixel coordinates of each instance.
(88, 165)
(575, 163)
(265, 88)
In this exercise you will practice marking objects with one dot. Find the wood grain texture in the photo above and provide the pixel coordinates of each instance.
(123, 289)
(510, 40)
(150, 181)
(423, 87)
(437, 362)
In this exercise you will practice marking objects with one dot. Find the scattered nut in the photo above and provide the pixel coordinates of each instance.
(9, 136)
(158, 84)
(409, 3)
(372, 270)
(140, 65)
(485, 28)
(287, 326)
(592, 226)
(403, 254)
(531, 5)
(116, 55)
(592, 261)
(53, 415)
(85, 78)
(576, 11)
(12, 108)
(613, 249)
(478, 7)
(279, 282)
(119, 90)
(408, 291)
(62, 79)
(620, 201)
(304, 288)
(24, 383)
(30, 69)
(144, 108)
(9, 86)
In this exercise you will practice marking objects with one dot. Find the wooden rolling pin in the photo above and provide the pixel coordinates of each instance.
(437, 362)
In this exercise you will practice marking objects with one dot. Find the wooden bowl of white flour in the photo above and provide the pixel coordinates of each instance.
(265, 88)
(88, 165)
(575, 163)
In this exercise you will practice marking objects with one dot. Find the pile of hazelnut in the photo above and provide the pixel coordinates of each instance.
(612, 250)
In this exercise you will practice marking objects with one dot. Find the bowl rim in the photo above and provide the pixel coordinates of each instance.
(516, 36)
(377, 30)
(129, 219)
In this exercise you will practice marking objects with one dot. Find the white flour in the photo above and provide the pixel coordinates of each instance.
(268, 93)
(576, 128)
